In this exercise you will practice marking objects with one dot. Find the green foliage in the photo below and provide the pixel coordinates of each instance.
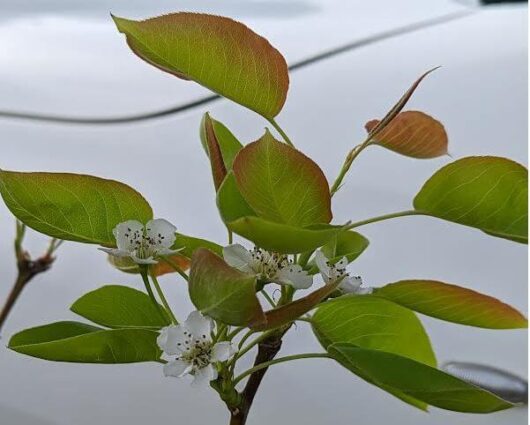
(488, 193)
(282, 237)
(278, 198)
(216, 52)
(453, 304)
(281, 184)
(80, 343)
(223, 293)
(220, 145)
(414, 134)
(230, 203)
(401, 375)
(72, 207)
(347, 244)
(117, 306)
(375, 323)
(189, 244)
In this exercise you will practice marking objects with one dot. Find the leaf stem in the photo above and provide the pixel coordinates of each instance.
(383, 217)
(265, 365)
(232, 334)
(252, 344)
(53, 246)
(268, 298)
(354, 153)
(143, 273)
(280, 130)
(163, 299)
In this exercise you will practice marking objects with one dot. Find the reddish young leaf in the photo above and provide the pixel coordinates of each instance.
(412, 133)
(127, 265)
(292, 311)
(162, 268)
(216, 52)
(396, 109)
(222, 292)
(281, 184)
(211, 144)
(453, 304)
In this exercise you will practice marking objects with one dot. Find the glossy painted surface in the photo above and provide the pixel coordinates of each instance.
(66, 59)
(479, 94)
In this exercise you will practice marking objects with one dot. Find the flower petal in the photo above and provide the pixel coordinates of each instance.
(129, 235)
(199, 326)
(222, 351)
(161, 232)
(203, 376)
(351, 284)
(238, 256)
(116, 252)
(342, 264)
(322, 264)
(295, 276)
(173, 340)
(365, 291)
(177, 368)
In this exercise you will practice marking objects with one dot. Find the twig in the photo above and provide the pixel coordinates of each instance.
(27, 269)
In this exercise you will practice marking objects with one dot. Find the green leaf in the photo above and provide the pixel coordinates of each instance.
(453, 304)
(414, 379)
(80, 343)
(281, 184)
(216, 52)
(190, 244)
(488, 193)
(230, 203)
(372, 322)
(412, 133)
(220, 145)
(289, 312)
(283, 238)
(222, 292)
(117, 306)
(347, 244)
(51, 332)
(72, 207)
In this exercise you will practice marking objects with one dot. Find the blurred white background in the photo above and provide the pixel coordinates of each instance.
(66, 58)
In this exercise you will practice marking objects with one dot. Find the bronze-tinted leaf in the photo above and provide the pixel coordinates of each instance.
(400, 104)
(292, 311)
(127, 265)
(216, 52)
(220, 145)
(222, 292)
(453, 304)
(412, 133)
(282, 184)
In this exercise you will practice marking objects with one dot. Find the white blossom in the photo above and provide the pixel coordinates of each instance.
(267, 265)
(331, 272)
(191, 351)
(143, 244)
